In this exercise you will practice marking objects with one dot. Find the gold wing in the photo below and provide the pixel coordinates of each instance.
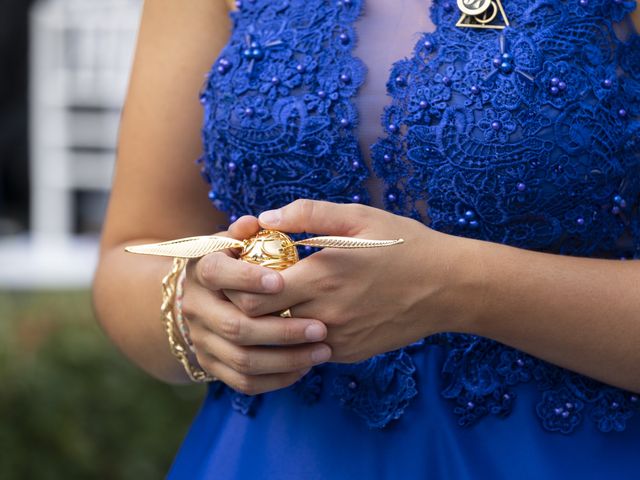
(190, 247)
(346, 242)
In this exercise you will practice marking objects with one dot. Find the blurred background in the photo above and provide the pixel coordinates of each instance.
(71, 406)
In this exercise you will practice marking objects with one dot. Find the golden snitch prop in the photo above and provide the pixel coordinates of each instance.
(269, 248)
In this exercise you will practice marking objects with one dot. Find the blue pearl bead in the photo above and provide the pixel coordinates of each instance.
(506, 67)
(386, 157)
(391, 197)
(462, 222)
(246, 52)
(427, 44)
(322, 93)
(554, 90)
(475, 89)
(347, 2)
(238, 4)
(212, 195)
(345, 78)
(555, 81)
(558, 411)
(222, 69)
(562, 85)
(225, 62)
(352, 385)
(634, 398)
(623, 203)
(355, 164)
(569, 405)
(521, 187)
(344, 122)
(580, 221)
(248, 111)
(615, 405)
(356, 198)
(617, 199)
(400, 81)
(583, 3)
(393, 128)
(233, 218)
(520, 362)
(565, 414)
(300, 68)
(469, 214)
(474, 224)
(496, 125)
(257, 53)
(497, 61)
(622, 112)
(254, 44)
(447, 6)
(506, 56)
(615, 210)
(446, 80)
(255, 167)
(506, 396)
(606, 83)
(344, 38)
(423, 104)
(275, 80)
(471, 405)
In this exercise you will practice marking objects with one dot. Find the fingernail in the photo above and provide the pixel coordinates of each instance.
(314, 332)
(270, 217)
(270, 281)
(321, 354)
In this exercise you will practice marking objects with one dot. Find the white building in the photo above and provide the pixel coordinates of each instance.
(81, 52)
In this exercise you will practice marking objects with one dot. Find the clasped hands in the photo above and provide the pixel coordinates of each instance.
(346, 305)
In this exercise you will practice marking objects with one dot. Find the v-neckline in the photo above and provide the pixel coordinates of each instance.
(373, 183)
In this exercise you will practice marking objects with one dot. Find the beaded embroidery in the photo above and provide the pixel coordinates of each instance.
(527, 136)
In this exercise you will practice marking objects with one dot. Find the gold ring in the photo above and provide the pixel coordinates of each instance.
(286, 313)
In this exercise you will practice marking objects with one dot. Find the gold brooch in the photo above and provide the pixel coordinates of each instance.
(269, 248)
(482, 14)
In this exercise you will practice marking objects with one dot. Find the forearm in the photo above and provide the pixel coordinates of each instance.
(579, 313)
(127, 295)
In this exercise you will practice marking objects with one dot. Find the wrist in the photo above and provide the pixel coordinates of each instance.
(465, 278)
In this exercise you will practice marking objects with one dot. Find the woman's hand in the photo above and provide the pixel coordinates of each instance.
(251, 355)
(372, 300)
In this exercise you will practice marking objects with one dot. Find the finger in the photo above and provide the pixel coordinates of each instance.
(261, 360)
(218, 271)
(252, 384)
(302, 282)
(245, 227)
(319, 217)
(234, 326)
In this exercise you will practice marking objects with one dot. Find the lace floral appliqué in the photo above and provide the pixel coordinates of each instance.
(526, 136)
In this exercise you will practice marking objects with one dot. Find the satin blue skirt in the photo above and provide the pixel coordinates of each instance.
(287, 439)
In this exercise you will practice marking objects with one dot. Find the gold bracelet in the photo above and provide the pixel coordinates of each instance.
(168, 298)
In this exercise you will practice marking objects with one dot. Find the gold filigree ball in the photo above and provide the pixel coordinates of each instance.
(270, 248)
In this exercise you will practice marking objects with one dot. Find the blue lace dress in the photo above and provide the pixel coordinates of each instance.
(527, 136)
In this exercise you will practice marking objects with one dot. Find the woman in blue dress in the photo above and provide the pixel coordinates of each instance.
(501, 340)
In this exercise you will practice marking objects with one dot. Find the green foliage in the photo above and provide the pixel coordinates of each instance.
(71, 405)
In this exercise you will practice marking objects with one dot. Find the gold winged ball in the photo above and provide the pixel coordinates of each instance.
(269, 248)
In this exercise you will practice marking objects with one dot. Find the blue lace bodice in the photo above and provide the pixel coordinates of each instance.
(526, 136)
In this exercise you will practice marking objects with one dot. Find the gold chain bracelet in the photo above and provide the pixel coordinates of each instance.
(177, 349)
